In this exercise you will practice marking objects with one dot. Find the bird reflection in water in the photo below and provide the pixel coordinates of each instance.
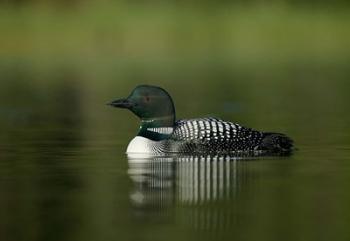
(202, 183)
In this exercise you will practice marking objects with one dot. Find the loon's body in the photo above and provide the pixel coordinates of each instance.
(160, 133)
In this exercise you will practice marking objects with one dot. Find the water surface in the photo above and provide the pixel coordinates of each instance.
(64, 174)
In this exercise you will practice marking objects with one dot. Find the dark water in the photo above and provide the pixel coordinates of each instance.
(64, 174)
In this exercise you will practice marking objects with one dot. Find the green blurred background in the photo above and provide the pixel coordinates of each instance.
(226, 51)
(278, 65)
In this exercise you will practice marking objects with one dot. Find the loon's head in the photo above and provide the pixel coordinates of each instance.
(152, 104)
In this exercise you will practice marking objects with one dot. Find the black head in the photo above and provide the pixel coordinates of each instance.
(149, 103)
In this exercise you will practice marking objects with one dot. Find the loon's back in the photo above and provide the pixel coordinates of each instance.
(207, 135)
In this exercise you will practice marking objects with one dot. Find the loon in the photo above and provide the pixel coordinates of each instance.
(161, 133)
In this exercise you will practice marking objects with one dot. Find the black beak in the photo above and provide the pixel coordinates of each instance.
(121, 103)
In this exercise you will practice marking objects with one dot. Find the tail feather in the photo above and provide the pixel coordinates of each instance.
(276, 143)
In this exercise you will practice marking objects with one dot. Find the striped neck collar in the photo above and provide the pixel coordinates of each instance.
(161, 130)
(157, 129)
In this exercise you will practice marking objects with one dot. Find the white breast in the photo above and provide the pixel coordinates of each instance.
(141, 145)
